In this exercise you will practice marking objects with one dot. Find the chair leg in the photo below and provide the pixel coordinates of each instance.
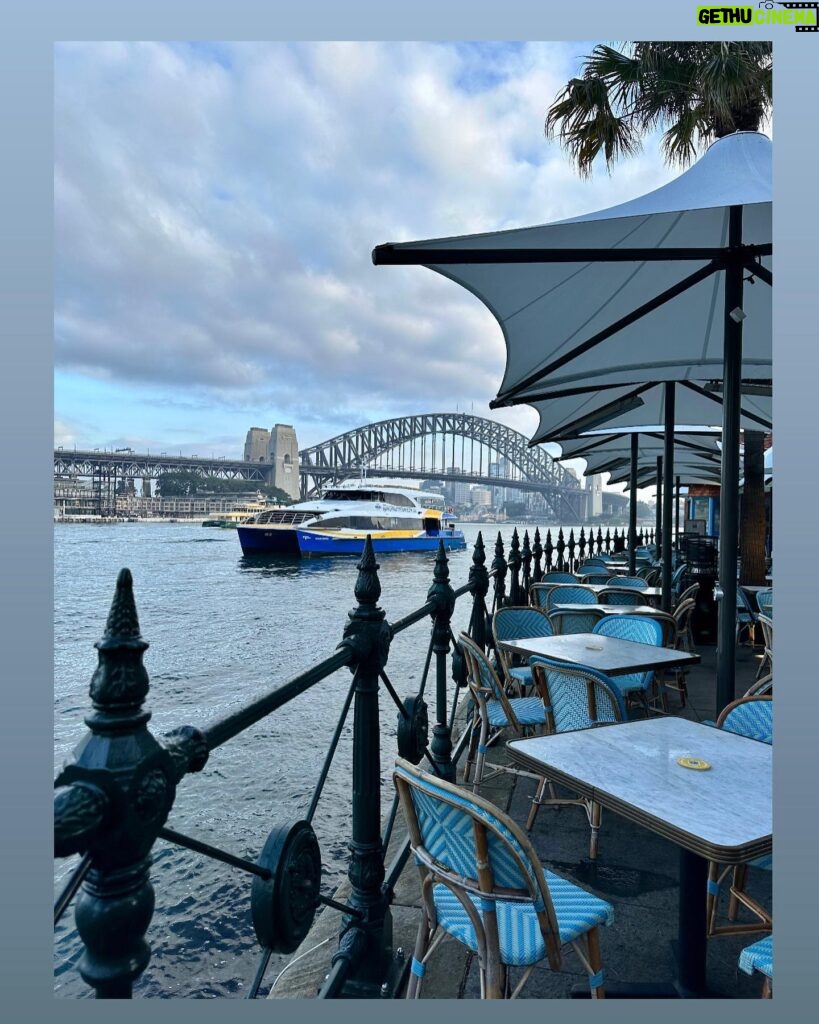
(482, 742)
(740, 877)
(418, 967)
(595, 815)
(767, 988)
(596, 964)
(711, 894)
(536, 801)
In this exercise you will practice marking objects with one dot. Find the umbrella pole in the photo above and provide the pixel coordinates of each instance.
(677, 517)
(729, 478)
(658, 528)
(632, 508)
(668, 491)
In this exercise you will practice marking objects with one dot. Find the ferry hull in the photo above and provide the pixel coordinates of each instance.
(311, 543)
(292, 541)
(268, 540)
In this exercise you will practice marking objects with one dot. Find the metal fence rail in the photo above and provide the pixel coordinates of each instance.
(113, 799)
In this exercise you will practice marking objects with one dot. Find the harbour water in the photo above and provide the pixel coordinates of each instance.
(224, 629)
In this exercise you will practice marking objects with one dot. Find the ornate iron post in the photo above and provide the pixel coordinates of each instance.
(442, 594)
(527, 568)
(561, 547)
(499, 569)
(112, 799)
(549, 551)
(581, 547)
(599, 550)
(537, 554)
(479, 582)
(514, 567)
(571, 547)
(366, 939)
(607, 541)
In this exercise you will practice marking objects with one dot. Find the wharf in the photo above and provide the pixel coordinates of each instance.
(636, 871)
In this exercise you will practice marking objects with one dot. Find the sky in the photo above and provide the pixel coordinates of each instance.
(216, 206)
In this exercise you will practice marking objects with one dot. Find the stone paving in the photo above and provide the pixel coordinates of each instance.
(636, 871)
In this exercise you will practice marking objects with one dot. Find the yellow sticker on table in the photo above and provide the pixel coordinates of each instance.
(696, 763)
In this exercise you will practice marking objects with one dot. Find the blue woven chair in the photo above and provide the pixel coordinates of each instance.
(566, 620)
(563, 593)
(539, 595)
(676, 578)
(764, 602)
(576, 697)
(642, 630)
(518, 623)
(751, 717)
(759, 957)
(630, 581)
(559, 577)
(483, 884)
(746, 617)
(598, 578)
(766, 665)
(621, 595)
(494, 710)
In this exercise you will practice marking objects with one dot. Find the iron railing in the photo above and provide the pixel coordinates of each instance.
(114, 797)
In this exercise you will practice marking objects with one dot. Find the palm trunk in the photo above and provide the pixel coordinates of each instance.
(752, 519)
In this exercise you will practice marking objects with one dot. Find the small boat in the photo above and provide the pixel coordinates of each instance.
(395, 518)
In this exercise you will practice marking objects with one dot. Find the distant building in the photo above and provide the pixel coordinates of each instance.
(283, 453)
(481, 497)
(257, 443)
(594, 505)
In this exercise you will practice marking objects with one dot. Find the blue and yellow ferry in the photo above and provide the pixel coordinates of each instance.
(338, 523)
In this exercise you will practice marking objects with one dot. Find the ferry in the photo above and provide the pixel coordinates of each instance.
(395, 518)
(240, 514)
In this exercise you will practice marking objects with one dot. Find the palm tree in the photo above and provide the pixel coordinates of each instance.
(697, 92)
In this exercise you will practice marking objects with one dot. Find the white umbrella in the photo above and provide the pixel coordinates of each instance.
(650, 290)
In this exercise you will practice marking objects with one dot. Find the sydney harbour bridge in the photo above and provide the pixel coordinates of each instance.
(447, 447)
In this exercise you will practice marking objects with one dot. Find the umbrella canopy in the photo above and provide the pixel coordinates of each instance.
(675, 283)
(647, 277)
(643, 405)
(604, 450)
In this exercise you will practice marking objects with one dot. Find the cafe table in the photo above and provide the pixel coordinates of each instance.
(609, 609)
(718, 808)
(607, 654)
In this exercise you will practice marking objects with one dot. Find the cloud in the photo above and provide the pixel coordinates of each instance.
(216, 207)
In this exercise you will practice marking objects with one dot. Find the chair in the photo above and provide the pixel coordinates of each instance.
(566, 593)
(621, 595)
(760, 687)
(684, 641)
(599, 578)
(539, 595)
(689, 594)
(766, 625)
(559, 577)
(643, 630)
(746, 617)
(565, 620)
(576, 697)
(517, 623)
(751, 717)
(676, 577)
(759, 957)
(764, 602)
(494, 710)
(652, 578)
(631, 581)
(482, 883)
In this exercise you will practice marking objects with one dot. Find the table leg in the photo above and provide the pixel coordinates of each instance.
(692, 943)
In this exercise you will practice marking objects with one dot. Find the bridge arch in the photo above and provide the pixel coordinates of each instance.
(368, 446)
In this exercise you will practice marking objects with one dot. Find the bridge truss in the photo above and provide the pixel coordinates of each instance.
(454, 447)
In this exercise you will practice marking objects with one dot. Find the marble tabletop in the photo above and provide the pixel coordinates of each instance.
(609, 609)
(723, 813)
(608, 654)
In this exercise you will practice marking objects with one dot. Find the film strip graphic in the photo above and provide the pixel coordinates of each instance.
(801, 7)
